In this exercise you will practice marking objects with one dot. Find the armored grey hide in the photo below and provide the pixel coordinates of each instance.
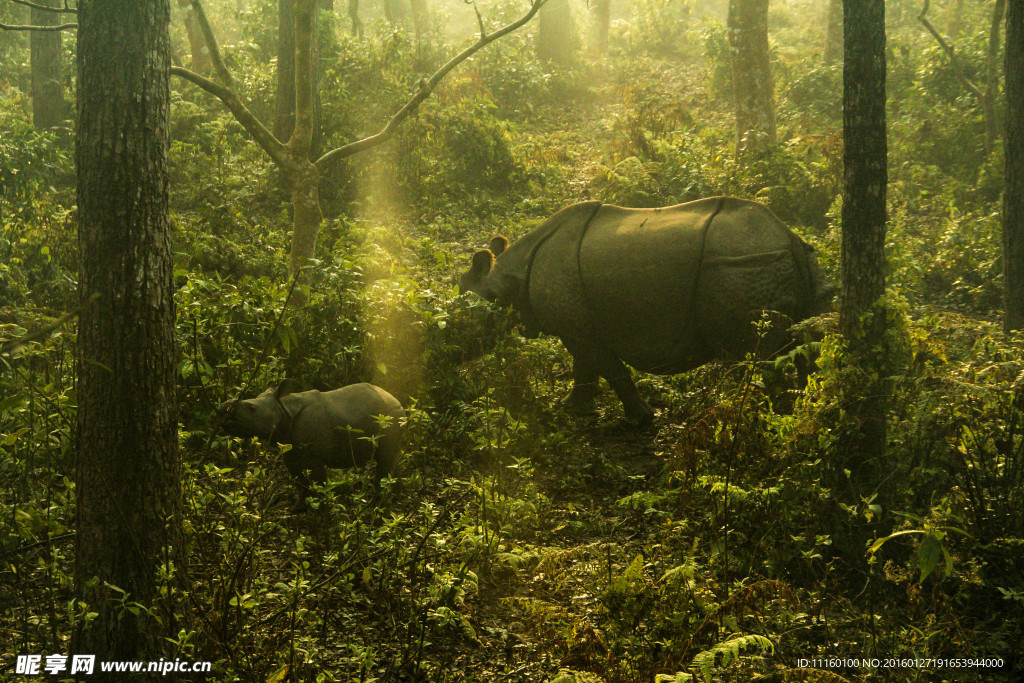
(337, 429)
(664, 290)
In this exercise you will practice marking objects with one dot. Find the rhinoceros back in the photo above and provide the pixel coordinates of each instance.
(332, 429)
(639, 269)
(753, 263)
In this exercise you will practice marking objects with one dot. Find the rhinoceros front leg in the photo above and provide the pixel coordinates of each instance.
(590, 361)
(585, 380)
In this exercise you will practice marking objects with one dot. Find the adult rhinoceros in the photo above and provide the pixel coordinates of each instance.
(664, 290)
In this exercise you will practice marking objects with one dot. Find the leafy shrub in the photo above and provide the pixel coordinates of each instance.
(460, 151)
(38, 250)
(818, 91)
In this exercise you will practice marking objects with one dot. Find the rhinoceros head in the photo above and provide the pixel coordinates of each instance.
(476, 280)
(261, 416)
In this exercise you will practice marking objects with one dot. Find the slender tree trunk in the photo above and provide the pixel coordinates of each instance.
(128, 472)
(196, 44)
(556, 35)
(47, 82)
(752, 75)
(302, 176)
(396, 12)
(956, 19)
(284, 121)
(353, 15)
(1013, 194)
(419, 18)
(602, 19)
(864, 225)
(834, 32)
(992, 77)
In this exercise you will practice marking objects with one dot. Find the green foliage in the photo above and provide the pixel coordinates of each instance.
(719, 60)
(38, 254)
(521, 541)
(457, 153)
(818, 92)
(660, 23)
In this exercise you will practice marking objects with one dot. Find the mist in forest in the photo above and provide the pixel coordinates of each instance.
(512, 340)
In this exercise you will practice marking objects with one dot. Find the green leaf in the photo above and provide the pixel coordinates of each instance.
(928, 555)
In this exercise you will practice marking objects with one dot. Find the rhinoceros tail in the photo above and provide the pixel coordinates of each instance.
(818, 291)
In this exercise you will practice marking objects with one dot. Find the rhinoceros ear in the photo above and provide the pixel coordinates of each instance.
(483, 261)
(499, 243)
(286, 387)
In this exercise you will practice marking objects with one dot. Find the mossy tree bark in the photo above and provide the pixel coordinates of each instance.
(864, 226)
(1013, 194)
(127, 466)
(48, 107)
(284, 119)
(752, 75)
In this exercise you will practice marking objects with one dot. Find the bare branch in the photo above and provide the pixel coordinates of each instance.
(211, 44)
(263, 137)
(45, 8)
(480, 21)
(426, 88)
(58, 27)
(948, 49)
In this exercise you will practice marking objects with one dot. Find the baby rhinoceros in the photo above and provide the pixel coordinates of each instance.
(341, 428)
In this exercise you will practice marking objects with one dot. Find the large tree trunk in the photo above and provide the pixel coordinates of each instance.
(1013, 195)
(752, 75)
(196, 44)
(128, 472)
(47, 83)
(556, 35)
(864, 159)
(834, 32)
(864, 225)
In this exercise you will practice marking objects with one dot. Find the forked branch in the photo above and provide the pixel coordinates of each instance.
(211, 44)
(225, 92)
(948, 49)
(426, 87)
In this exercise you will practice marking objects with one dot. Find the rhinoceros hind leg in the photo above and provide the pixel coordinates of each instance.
(590, 361)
